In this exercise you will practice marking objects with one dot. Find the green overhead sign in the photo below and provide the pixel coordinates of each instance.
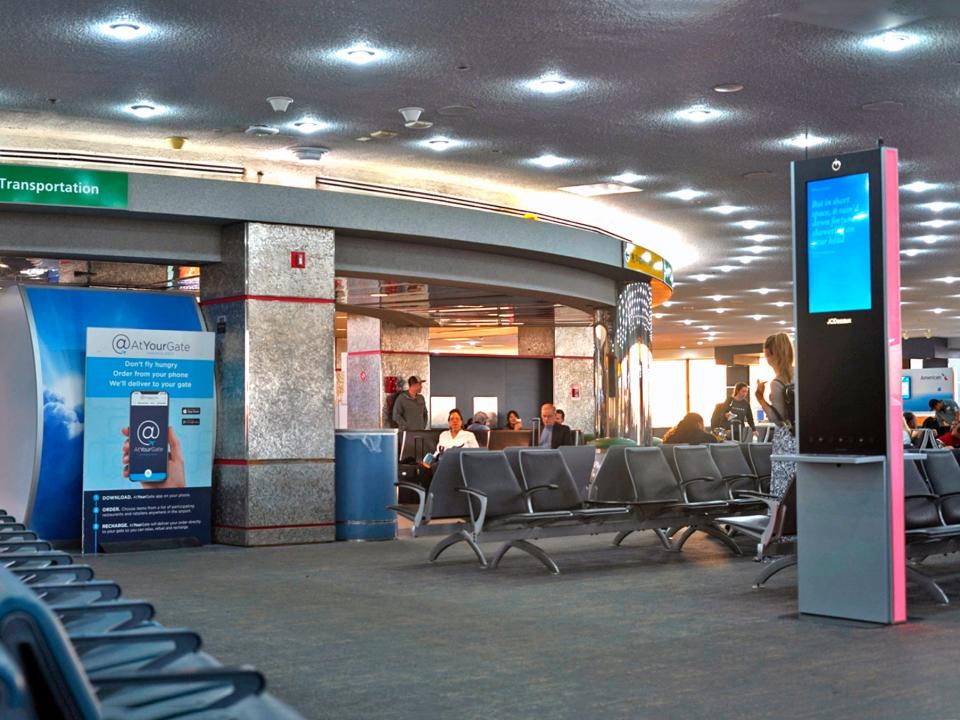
(62, 186)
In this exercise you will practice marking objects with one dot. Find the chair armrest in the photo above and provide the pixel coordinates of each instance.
(184, 643)
(706, 478)
(421, 501)
(53, 557)
(11, 545)
(246, 682)
(529, 492)
(771, 501)
(482, 515)
(81, 573)
(138, 611)
(6, 534)
(49, 592)
(744, 476)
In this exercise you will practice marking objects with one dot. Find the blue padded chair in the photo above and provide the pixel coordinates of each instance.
(58, 687)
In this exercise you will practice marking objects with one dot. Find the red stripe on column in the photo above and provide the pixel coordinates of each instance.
(267, 298)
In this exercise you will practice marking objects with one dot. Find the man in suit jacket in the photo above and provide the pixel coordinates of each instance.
(553, 434)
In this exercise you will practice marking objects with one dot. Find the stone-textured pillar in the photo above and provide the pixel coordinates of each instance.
(573, 374)
(535, 340)
(375, 351)
(274, 472)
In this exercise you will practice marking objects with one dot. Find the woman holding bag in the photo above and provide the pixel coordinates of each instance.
(778, 351)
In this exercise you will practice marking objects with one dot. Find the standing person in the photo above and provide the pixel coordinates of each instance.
(735, 409)
(410, 407)
(945, 411)
(553, 434)
(778, 350)
(513, 421)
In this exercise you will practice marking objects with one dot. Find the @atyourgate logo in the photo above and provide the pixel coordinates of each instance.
(148, 432)
(121, 343)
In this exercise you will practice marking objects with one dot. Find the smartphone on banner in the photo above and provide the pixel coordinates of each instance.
(149, 418)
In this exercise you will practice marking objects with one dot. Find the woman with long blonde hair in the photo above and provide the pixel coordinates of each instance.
(778, 351)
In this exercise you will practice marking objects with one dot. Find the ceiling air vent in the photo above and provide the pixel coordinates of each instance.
(309, 153)
(48, 156)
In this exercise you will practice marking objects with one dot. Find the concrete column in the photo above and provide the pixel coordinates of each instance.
(274, 471)
(535, 340)
(375, 351)
(573, 376)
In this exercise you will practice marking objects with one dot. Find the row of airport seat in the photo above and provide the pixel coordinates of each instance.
(72, 647)
(522, 494)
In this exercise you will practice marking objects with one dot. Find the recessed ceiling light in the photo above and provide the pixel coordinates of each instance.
(627, 177)
(726, 209)
(938, 206)
(781, 322)
(551, 84)
(758, 317)
(718, 298)
(658, 316)
(912, 252)
(360, 54)
(949, 279)
(687, 322)
(686, 194)
(928, 239)
(261, 130)
(721, 311)
(919, 186)
(699, 342)
(728, 87)
(757, 249)
(549, 161)
(601, 189)
(309, 125)
(937, 223)
(892, 41)
(749, 224)
(938, 310)
(759, 237)
(805, 140)
(698, 114)
(124, 30)
(701, 277)
(726, 268)
(143, 110)
(379, 295)
(763, 291)
(439, 144)
(781, 303)
(746, 259)
(667, 303)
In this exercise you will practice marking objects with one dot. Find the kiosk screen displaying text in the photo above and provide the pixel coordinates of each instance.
(838, 244)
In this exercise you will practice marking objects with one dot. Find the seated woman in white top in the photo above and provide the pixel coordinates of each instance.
(456, 436)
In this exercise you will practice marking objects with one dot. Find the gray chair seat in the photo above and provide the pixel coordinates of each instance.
(749, 523)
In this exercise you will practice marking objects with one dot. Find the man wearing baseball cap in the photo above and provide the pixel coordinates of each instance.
(410, 407)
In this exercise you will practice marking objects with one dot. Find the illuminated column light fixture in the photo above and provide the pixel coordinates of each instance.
(439, 144)
(698, 114)
(893, 41)
(124, 30)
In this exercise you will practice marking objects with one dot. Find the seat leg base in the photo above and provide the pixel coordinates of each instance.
(773, 568)
(928, 584)
(453, 539)
(620, 537)
(530, 549)
(717, 533)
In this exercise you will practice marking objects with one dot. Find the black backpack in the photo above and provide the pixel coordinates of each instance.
(790, 401)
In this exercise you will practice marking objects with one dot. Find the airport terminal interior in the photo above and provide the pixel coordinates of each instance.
(462, 359)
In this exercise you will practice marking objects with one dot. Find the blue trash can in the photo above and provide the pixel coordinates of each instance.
(366, 469)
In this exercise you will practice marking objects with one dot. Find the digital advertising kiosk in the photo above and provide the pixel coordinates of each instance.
(851, 557)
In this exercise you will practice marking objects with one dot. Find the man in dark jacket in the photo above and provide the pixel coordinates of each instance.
(410, 407)
(553, 434)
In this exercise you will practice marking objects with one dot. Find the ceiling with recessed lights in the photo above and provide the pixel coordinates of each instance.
(695, 106)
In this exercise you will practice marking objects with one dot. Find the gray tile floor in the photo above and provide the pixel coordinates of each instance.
(371, 630)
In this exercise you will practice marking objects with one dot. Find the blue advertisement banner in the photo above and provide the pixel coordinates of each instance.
(150, 419)
(59, 318)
